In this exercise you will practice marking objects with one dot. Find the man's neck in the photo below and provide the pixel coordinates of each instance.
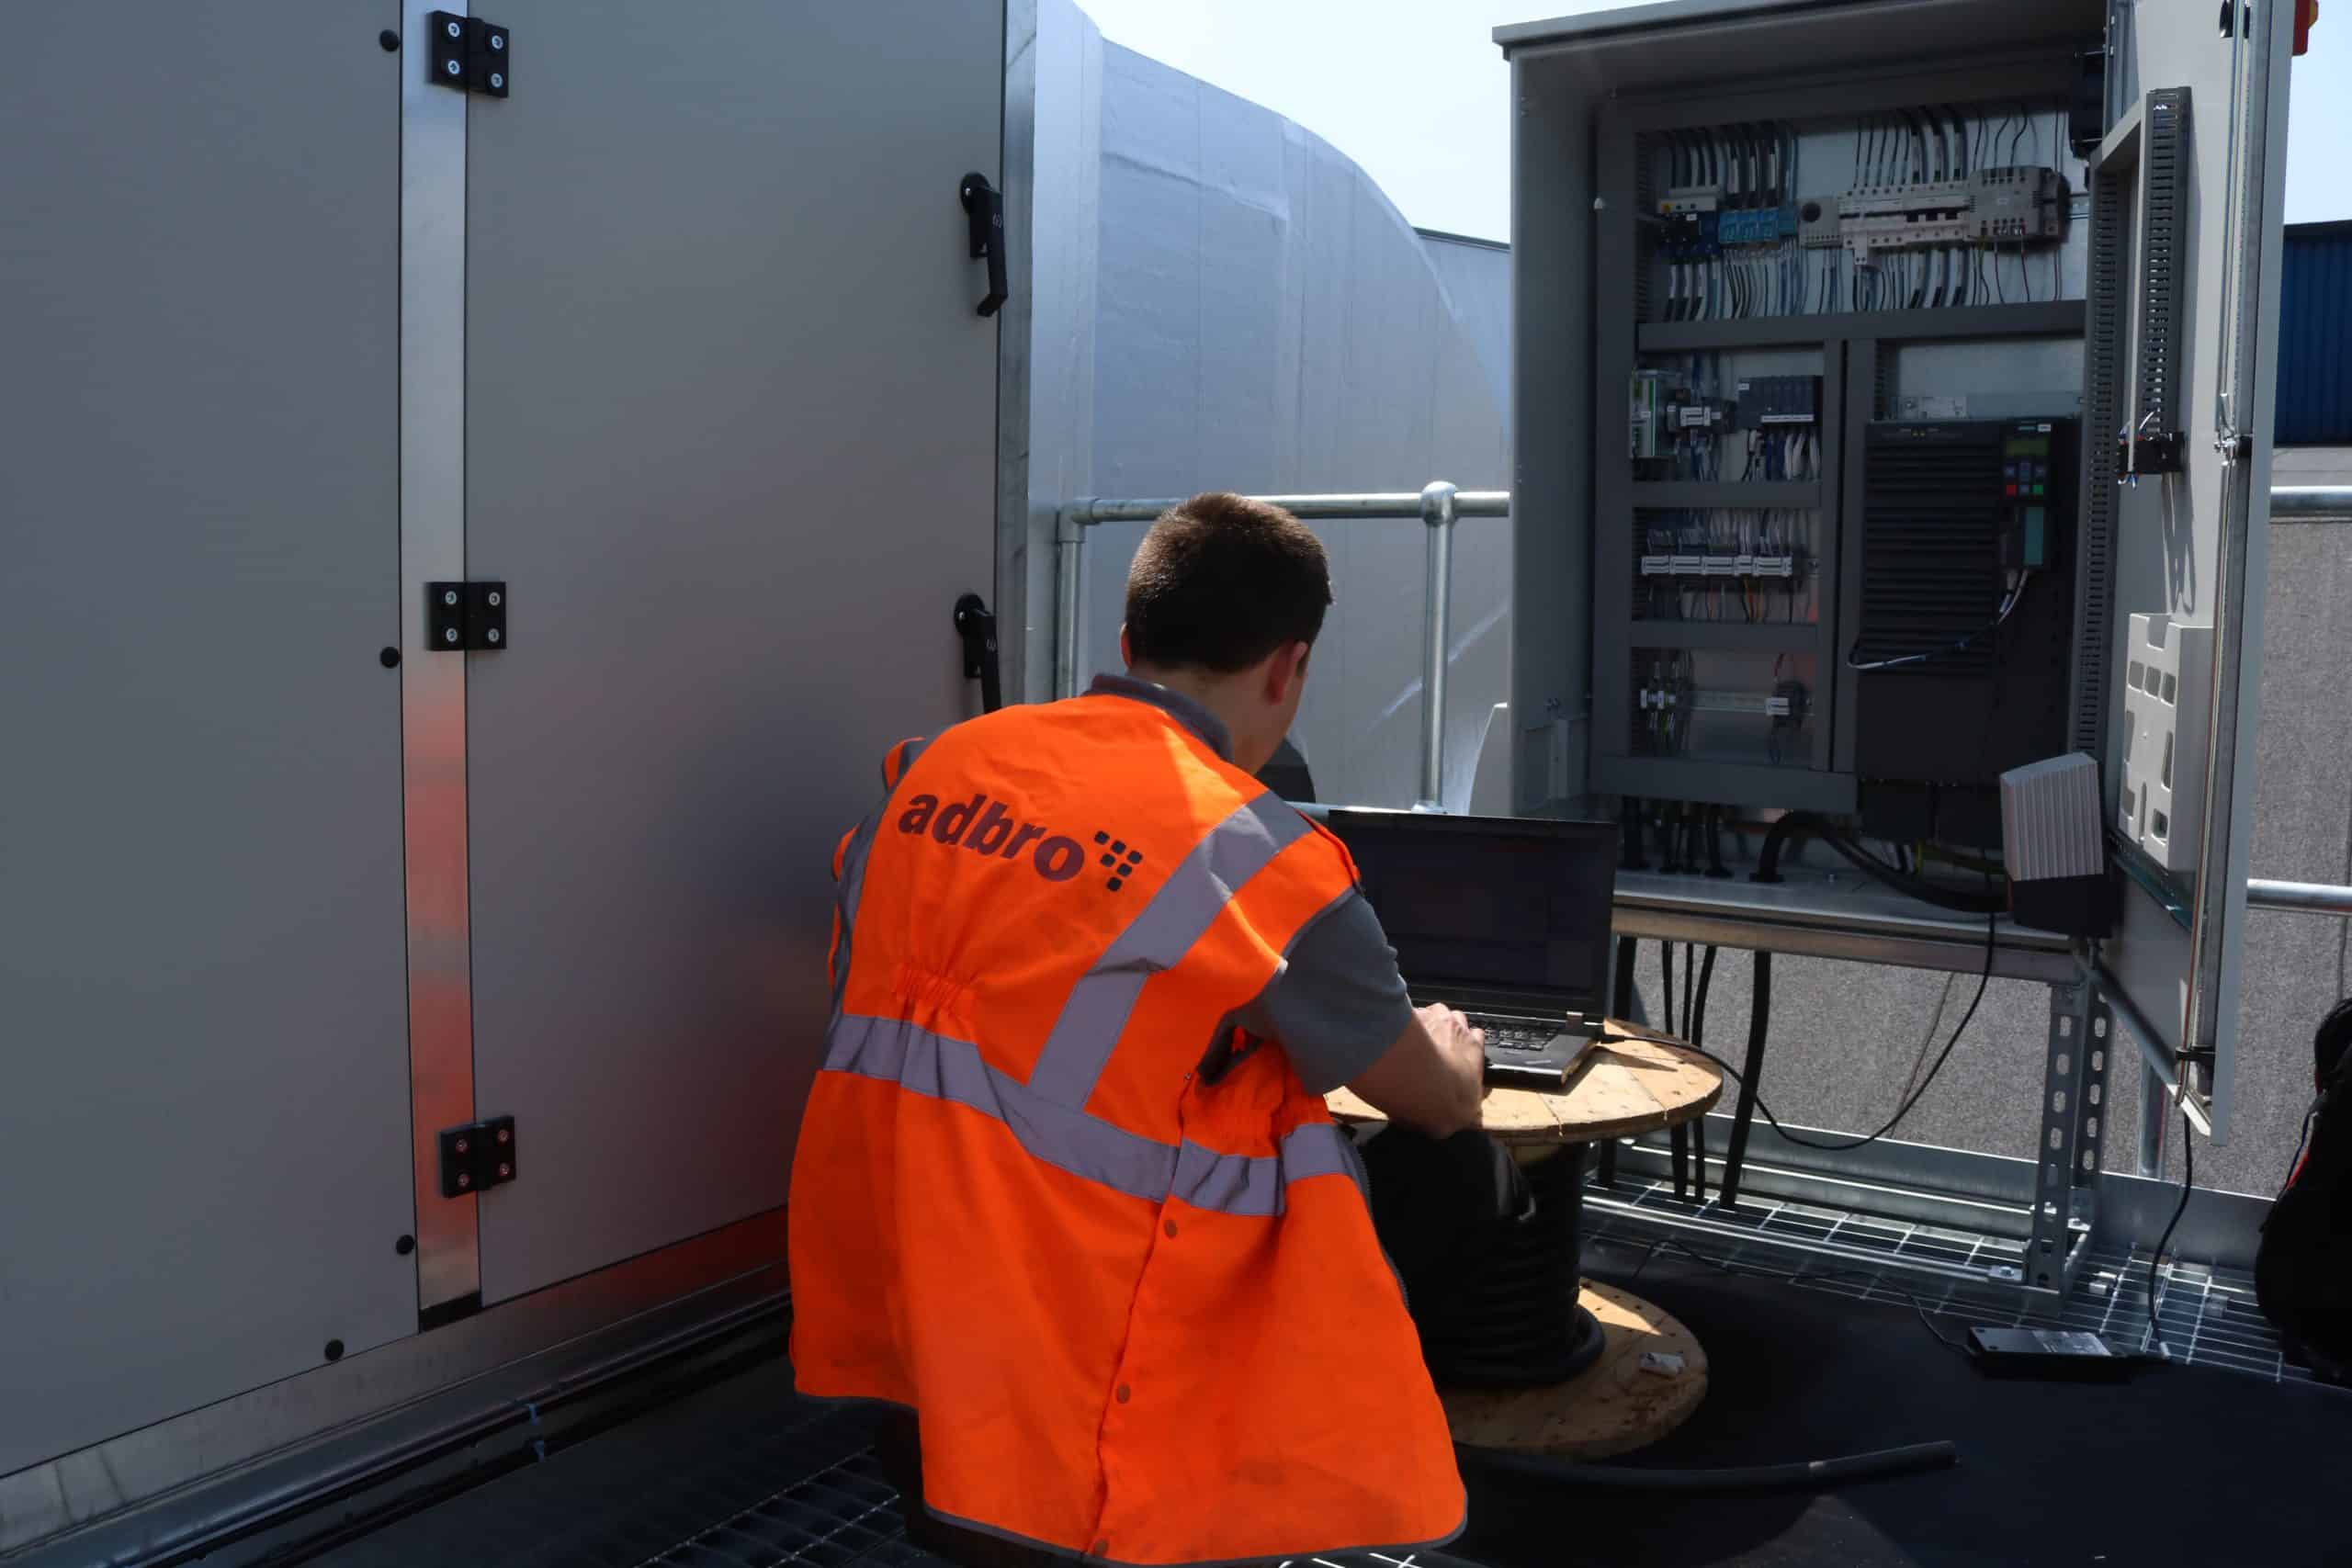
(1213, 693)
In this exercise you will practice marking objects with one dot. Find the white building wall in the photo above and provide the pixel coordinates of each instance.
(1260, 320)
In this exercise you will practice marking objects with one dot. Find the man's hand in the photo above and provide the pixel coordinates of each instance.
(1434, 1078)
(1463, 1049)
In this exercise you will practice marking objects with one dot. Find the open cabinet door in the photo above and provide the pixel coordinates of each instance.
(730, 434)
(2182, 376)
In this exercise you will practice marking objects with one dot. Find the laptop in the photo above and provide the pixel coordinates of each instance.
(1505, 919)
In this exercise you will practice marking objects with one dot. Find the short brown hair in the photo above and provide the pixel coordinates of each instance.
(1221, 581)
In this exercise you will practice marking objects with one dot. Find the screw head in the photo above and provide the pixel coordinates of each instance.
(465, 1179)
(496, 80)
(495, 598)
(454, 67)
(389, 41)
(450, 635)
(455, 30)
(504, 1170)
(405, 1246)
(335, 1349)
(390, 657)
(449, 596)
(464, 1144)
(491, 635)
(505, 1136)
(498, 40)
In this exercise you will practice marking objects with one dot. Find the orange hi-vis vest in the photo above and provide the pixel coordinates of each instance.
(1142, 1315)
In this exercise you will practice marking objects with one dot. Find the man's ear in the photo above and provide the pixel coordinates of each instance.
(1285, 670)
(1125, 657)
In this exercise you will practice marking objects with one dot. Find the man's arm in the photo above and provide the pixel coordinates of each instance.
(1434, 1078)
(1339, 1008)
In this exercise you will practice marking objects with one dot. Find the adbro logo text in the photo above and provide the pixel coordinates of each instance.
(984, 827)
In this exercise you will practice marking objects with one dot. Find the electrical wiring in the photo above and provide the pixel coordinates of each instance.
(1909, 1101)
(2008, 605)
(1912, 886)
(2188, 1184)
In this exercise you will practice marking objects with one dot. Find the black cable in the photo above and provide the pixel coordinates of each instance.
(1689, 986)
(1767, 862)
(1695, 1025)
(1802, 1475)
(1910, 1101)
(2296, 1160)
(1695, 1031)
(2009, 607)
(1875, 1281)
(1871, 866)
(2188, 1181)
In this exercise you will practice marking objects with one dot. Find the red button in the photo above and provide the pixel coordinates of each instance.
(2013, 490)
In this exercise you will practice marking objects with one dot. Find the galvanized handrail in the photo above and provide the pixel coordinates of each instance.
(1439, 505)
(2299, 897)
(2311, 503)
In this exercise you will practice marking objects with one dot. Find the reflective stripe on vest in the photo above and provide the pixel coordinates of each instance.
(1092, 1020)
(895, 1050)
(849, 865)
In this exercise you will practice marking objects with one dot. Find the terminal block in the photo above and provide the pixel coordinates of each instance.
(2025, 204)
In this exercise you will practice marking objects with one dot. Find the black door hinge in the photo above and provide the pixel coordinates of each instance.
(465, 617)
(471, 54)
(479, 1155)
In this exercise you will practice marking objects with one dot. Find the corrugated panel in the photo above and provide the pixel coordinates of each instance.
(2316, 337)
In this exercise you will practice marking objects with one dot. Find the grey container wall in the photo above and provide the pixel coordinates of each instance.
(2315, 337)
(285, 889)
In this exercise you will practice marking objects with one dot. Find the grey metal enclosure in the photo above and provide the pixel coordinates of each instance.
(1878, 367)
(482, 495)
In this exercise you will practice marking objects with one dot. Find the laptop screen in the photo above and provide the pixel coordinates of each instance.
(1485, 904)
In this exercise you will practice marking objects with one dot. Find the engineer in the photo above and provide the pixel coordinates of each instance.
(1065, 1194)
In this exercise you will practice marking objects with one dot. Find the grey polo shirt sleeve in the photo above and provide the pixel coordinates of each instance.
(1338, 1002)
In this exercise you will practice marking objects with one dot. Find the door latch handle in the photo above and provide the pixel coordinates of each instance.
(976, 624)
(984, 205)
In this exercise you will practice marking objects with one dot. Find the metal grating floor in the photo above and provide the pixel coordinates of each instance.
(741, 1474)
(847, 1513)
(744, 1475)
(844, 1512)
(2207, 1316)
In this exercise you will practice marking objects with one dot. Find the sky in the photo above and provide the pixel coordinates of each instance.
(1417, 93)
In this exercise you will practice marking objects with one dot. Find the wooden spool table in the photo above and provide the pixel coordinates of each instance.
(1633, 1393)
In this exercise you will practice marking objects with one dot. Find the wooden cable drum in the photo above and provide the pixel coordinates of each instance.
(1523, 1347)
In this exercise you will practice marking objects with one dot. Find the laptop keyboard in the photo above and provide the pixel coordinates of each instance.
(1513, 1033)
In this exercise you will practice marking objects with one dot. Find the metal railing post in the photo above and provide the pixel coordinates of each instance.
(1437, 589)
(1069, 588)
